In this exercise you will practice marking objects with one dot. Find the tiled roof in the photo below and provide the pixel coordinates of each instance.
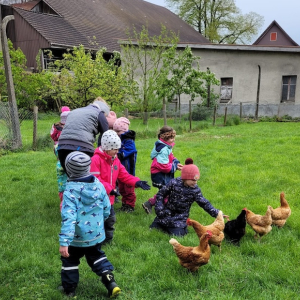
(107, 20)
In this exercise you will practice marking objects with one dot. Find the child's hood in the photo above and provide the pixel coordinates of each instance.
(103, 155)
(87, 193)
(159, 145)
(130, 134)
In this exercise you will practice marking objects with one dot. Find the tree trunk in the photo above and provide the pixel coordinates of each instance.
(165, 111)
(145, 117)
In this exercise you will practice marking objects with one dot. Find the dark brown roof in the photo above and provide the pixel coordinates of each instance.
(283, 39)
(107, 20)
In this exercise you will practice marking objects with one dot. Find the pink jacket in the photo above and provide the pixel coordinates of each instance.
(109, 170)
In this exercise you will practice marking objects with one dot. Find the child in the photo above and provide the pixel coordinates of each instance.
(127, 155)
(108, 169)
(58, 127)
(61, 178)
(164, 163)
(55, 133)
(85, 207)
(181, 192)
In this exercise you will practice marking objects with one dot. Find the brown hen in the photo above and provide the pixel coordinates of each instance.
(280, 214)
(260, 224)
(192, 258)
(216, 228)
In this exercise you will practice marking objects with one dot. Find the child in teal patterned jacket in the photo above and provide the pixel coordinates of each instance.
(85, 207)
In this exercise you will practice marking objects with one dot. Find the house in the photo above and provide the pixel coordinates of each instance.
(265, 73)
(58, 25)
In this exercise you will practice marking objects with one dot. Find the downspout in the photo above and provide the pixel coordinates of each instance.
(257, 95)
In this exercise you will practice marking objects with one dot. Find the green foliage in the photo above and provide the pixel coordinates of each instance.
(142, 59)
(220, 21)
(232, 120)
(201, 112)
(84, 75)
(268, 119)
(30, 88)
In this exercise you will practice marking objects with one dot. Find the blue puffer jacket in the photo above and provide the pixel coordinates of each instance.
(85, 207)
(175, 212)
(128, 153)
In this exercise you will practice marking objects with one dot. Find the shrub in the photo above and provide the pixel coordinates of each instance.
(201, 113)
(232, 120)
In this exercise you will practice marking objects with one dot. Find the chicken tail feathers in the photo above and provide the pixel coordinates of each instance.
(173, 242)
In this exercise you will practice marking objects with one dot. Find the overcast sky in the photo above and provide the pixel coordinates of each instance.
(286, 13)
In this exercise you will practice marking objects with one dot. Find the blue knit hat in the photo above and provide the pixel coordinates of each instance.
(78, 165)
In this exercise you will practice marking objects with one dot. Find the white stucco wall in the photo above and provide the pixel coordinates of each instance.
(242, 66)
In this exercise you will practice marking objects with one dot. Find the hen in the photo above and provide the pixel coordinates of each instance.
(235, 229)
(280, 214)
(216, 228)
(260, 224)
(192, 258)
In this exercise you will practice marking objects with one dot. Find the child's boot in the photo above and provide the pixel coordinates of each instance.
(109, 281)
(147, 207)
(70, 294)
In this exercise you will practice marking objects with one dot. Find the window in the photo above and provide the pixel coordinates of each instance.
(273, 36)
(226, 89)
(288, 88)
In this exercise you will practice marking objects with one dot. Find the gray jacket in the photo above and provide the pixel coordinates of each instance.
(82, 126)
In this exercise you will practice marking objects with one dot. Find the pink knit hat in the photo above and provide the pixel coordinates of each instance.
(65, 108)
(121, 125)
(111, 118)
(189, 170)
(63, 116)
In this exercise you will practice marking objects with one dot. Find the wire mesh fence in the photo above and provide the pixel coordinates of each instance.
(7, 123)
(198, 113)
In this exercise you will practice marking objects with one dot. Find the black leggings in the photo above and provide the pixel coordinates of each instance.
(63, 153)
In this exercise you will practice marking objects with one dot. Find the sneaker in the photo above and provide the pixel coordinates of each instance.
(126, 208)
(147, 207)
(109, 282)
(68, 294)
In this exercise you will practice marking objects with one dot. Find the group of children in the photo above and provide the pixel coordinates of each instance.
(95, 179)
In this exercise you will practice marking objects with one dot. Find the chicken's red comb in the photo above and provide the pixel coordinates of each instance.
(189, 161)
(209, 232)
(188, 222)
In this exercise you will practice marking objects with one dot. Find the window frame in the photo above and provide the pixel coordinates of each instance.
(226, 83)
(273, 36)
(288, 88)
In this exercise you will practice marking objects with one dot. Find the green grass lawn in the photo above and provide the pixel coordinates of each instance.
(241, 166)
